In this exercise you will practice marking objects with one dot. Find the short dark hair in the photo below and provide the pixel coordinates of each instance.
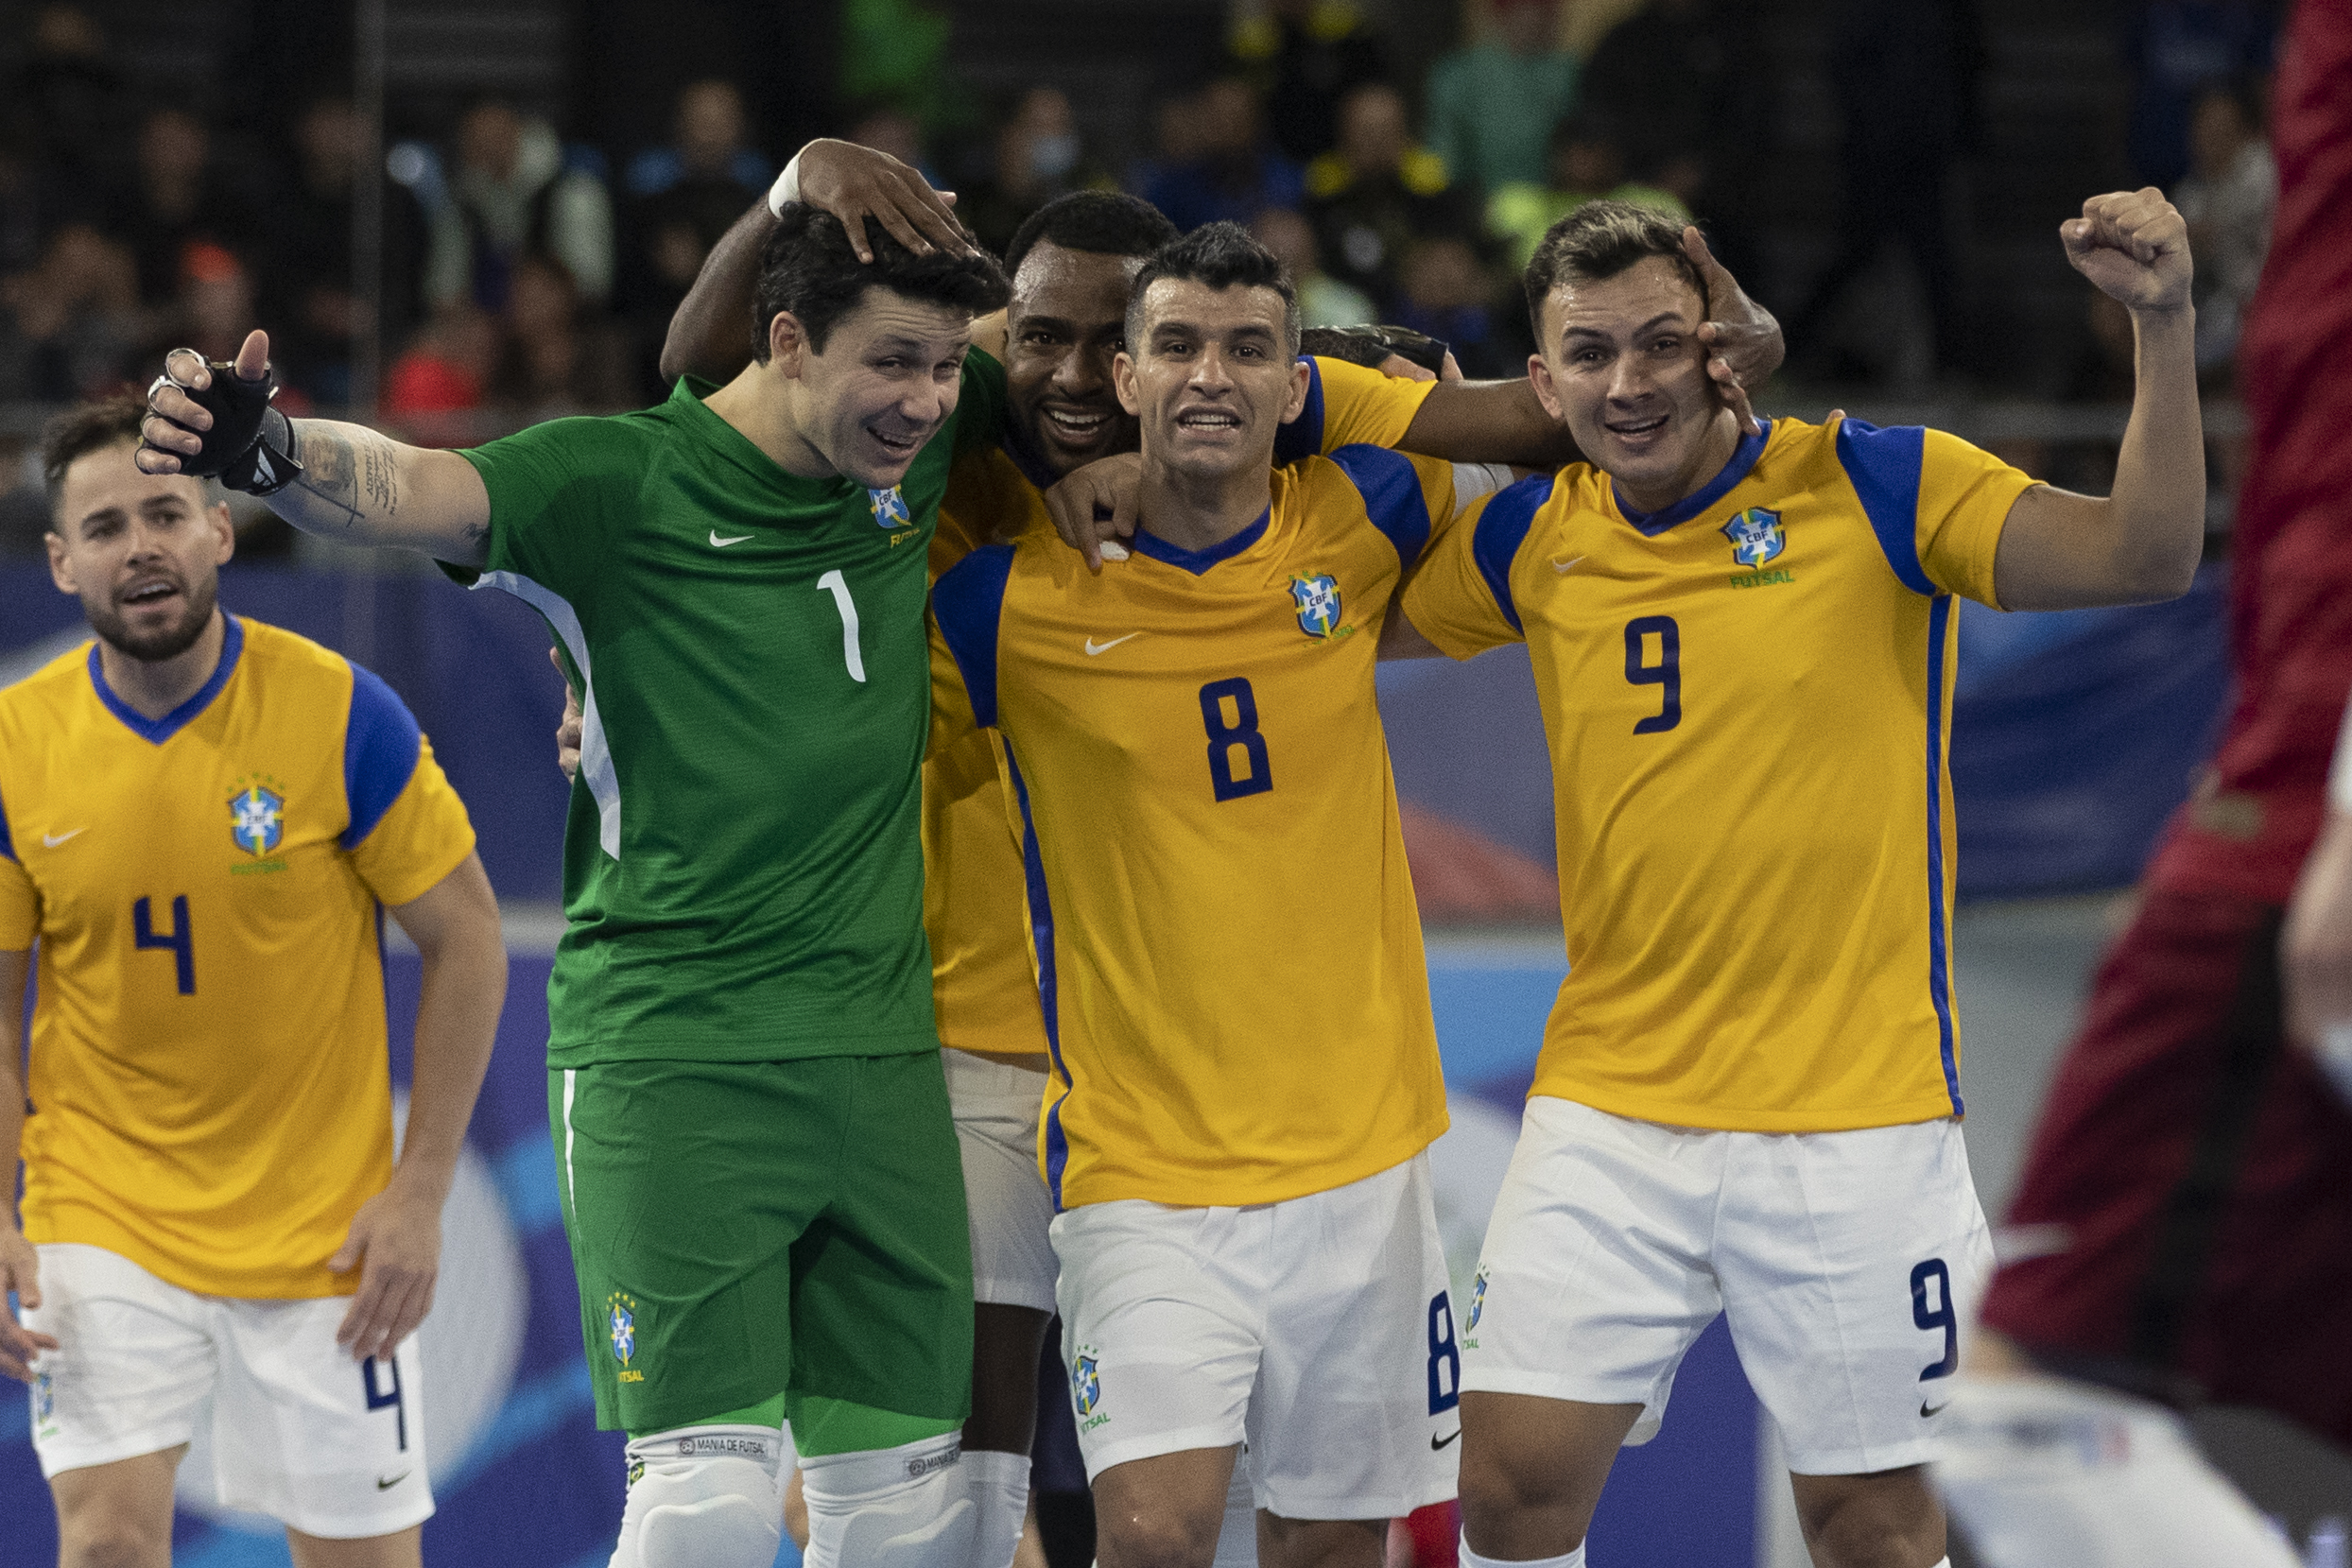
(1602, 240)
(1105, 223)
(83, 429)
(1220, 255)
(808, 268)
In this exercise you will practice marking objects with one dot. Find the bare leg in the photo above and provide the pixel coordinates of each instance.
(1887, 1520)
(1532, 1470)
(401, 1549)
(116, 1515)
(1006, 1342)
(1164, 1511)
(1320, 1544)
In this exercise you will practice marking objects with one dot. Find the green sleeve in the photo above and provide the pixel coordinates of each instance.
(555, 491)
(982, 406)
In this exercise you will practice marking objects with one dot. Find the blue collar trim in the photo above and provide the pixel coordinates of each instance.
(1743, 457)
(1199, 562)
(161, 729)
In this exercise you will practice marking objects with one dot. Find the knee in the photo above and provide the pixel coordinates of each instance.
(1158, 1538)
(100, 1540)
(1501, 1482)
(1890, 1520)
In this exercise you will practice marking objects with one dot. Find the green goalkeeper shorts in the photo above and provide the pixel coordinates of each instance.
(742, 1229)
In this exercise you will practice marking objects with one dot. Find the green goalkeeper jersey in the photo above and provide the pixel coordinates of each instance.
(743, 855)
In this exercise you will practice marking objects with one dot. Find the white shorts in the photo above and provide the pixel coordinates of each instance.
(1316, 1330)
(996, 1108)
(1849, 1265)
(301, 1431)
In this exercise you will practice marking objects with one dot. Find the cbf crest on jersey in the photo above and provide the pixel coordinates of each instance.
(257, 819)
(889, 508)
(1318, 601)
(1755, 537)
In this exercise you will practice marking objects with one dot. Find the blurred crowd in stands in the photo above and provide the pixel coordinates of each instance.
(1404, 181)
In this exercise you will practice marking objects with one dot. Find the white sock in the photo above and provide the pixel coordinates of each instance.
(890, 1507)
(1471, 1560)
(999, 1486)
(2039, 1470)
(1236, 1539)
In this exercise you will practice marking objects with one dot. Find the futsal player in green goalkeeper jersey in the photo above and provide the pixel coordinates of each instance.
(759, 1176)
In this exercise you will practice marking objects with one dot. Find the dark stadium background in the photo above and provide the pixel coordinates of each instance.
(168, 174)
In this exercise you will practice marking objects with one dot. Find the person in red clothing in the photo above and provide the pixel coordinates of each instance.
(2183, 1230)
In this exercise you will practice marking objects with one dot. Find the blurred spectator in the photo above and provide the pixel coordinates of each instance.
(551, 363)
(308, 279)
(2174, 49)
(1039, 157)
(1587, 162)
(432, 390)
(214, 307)
(1375, 193)
(1905, 78)
(891, 130)
(1449, 295)
(1492, 106)
(72, 324)
(683, 197)
(516, 192)
(1235, 172)
(1681, 81)
(23, 224)
(1176, 140)
(2227, 199)
(70, 105)
(1323, 300)
(1306, 57)
(179, 196)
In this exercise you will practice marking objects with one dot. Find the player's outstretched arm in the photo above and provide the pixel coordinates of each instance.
(340, 481)
(20, 1266)
(2063, 551)
(395, 1238)
(710, 333)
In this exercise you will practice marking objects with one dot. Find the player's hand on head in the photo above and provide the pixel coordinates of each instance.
(2135, 246)
(854, 183)
(567, 730)
(1095, 508)
(173, 436)
(20, 1273)
(1743, 340)
(1405, 369)
(395, 1243)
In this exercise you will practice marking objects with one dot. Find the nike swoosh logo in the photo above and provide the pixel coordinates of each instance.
(382, 1485)
(1924, 1410)
(1094, 647)
(53, 840)
(722, 543)
(1437, 1442)
(1565, 567)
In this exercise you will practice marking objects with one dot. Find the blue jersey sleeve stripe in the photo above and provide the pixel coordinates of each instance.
(381, 744)
(1501, 529)
(1041, 932)
(8, 845)
(969, 602)
(1391, 486)
(1303, 436)
(1884, 467)
(1938, 975)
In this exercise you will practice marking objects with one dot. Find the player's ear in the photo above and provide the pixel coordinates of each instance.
(1301, 378)
(1123, 382)
(224, 530)
(60, 565)
(1539, 377)
(787, 342)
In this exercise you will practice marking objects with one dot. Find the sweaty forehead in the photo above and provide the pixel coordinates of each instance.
(887, 313)
(1213, 310)
(1620, 306)
(1088, 287)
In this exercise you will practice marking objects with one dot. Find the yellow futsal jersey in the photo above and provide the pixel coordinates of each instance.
(1227, 946)
(211, 1093)
(1748, 697)
(983, 985)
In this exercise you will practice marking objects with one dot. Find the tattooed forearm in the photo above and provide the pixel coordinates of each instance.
(380, 473)
(359, 487)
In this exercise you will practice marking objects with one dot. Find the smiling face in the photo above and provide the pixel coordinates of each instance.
(1069, 321)
(1622, 366)
(1211, 378)
(142, 551)
(883, 385)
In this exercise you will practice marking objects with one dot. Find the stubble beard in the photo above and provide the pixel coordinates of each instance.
(155, 647)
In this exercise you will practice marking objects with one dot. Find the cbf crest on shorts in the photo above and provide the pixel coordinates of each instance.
(1085, 1383)
(621, 1316)
(889, 508)
(1755, 537)
(1318, 601)
(257, 819)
